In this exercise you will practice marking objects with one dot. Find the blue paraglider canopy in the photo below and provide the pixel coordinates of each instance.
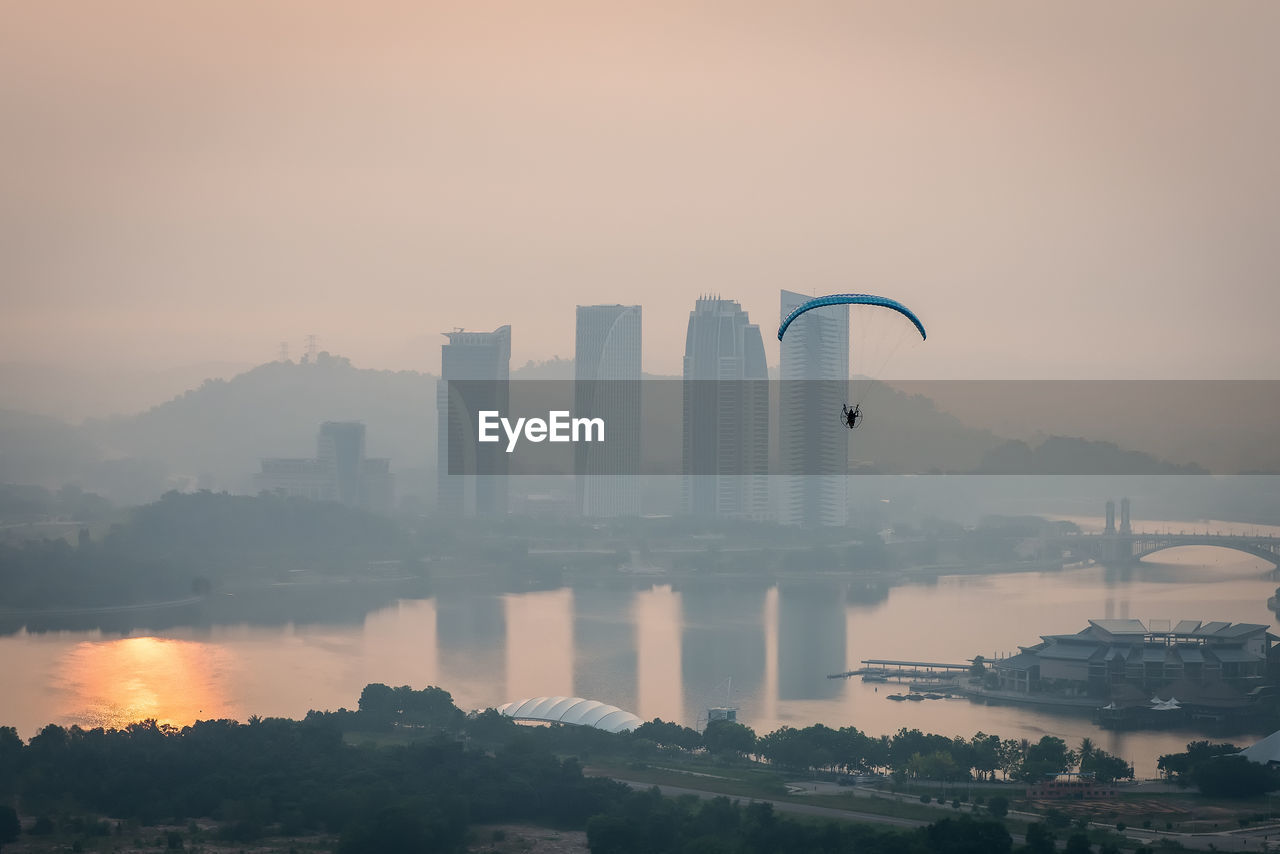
(851, 299)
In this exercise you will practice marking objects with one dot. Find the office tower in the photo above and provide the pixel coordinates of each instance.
(726, 413)
(475, 369)
(607, 385)
(813, 446)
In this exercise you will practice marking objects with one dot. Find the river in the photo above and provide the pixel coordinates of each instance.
(656, 648)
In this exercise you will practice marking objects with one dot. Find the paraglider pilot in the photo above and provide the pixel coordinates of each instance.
(851, 417)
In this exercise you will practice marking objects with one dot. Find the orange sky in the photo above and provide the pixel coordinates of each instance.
(1059, 189)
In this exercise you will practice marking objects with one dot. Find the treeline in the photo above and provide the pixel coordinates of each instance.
(21, 502)
(1218, 771)
(192, 543)
(909, 753)
(288, 778)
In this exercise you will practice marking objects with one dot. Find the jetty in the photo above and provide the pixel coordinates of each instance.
(884, 669)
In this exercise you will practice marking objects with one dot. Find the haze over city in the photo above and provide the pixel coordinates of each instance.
(1090, 187)
(459, 427)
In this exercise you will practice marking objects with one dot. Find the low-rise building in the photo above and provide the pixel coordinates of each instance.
(340, 471)
(1193, 657)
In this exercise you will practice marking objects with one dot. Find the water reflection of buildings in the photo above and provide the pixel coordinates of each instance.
(811, 640)
(723, 639)
(604, 645)
(539, 656)
(471, 637)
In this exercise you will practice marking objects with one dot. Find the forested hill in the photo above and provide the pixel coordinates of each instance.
(195, 543)
(222, 429)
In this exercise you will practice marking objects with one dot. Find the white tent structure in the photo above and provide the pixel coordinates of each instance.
(1265, 752)
(574, 711)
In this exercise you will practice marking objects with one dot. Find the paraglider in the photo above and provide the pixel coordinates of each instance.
(851, 415)
(851, 299)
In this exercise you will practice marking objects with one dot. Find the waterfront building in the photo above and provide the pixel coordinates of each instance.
(1210, 665)
(340, 471)
(606, 369)
(725, 448)
(813, 453)
(475, 371)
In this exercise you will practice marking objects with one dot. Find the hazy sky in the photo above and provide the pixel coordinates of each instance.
(1060, 189)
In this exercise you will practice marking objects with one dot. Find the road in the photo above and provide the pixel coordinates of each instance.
(784, 806)
(1257, 839)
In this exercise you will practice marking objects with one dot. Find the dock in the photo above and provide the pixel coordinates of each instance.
(884, 669)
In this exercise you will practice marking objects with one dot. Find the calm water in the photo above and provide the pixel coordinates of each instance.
(657, 650)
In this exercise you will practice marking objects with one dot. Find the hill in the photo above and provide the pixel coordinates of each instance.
(216, 434)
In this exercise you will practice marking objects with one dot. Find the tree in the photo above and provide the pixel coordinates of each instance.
(1039, 839)
(9, 825)
(965, 836)
(1078, 843)
(998, 806)
(1047, 756)
(1105, 767)
(669, 734)
(1233, 777)
(729, 738)
(985, 750)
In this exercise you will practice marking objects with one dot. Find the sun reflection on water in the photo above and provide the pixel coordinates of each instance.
(113, 683)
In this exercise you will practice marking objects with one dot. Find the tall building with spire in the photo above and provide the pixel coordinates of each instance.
(607, 385)
(813, 447)
(726, 413)
(475, 371)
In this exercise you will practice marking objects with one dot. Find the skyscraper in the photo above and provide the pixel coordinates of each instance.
(813, 447)
(607, 385)
(475, 368)
(726, 413)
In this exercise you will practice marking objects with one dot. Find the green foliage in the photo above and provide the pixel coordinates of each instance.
(276, 776)
(1179, 766)
(382, 707)
(669, 734)
(1039, 839)
(729, 738)
(1234, 777)
(9, 825)
(1078, 843)
(1105, 767)
(998, 806)
(966, 836)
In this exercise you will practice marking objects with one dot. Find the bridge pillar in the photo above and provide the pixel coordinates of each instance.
(1125, 528)
(1111, 517)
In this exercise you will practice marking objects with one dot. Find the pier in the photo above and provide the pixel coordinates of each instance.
(892, 669)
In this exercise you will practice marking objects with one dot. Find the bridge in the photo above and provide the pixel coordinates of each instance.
(1122, 545)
